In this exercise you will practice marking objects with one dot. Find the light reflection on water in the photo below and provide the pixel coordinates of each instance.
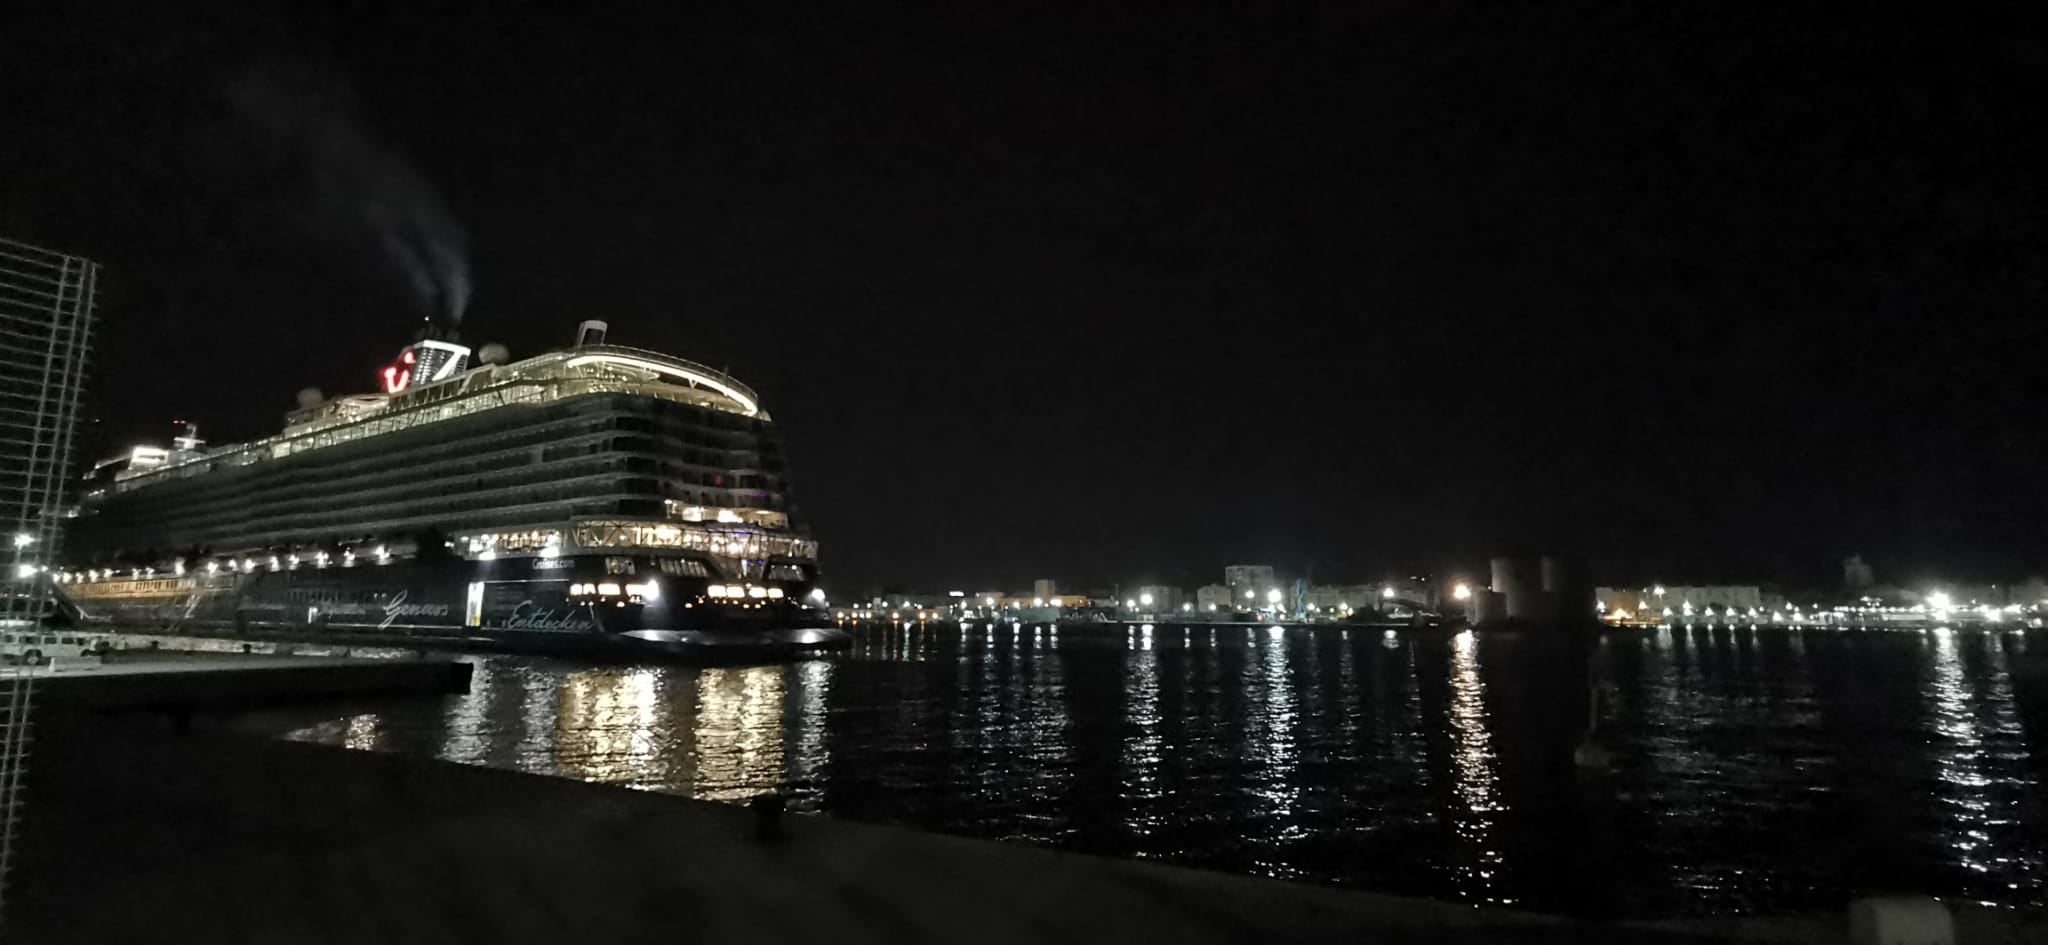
(1472, 763)
(1754, 768)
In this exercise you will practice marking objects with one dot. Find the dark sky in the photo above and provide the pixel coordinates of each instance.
(1128, 291)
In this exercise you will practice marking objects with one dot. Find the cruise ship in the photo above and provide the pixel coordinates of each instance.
(595, 500)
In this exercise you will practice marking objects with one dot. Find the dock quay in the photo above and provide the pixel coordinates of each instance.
(185, 683)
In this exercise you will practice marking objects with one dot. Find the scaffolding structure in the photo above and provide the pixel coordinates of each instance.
(46, 308)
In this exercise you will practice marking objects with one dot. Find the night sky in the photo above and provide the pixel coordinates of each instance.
(1127, 292)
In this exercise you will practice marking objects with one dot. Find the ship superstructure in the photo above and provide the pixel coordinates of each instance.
(600, 488)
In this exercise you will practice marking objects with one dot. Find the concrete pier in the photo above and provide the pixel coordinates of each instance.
(216, 683)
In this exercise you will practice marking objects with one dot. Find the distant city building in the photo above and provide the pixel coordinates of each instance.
(1044, 587)
(1164, 599)
(1336, 597)
(1215, 597)
(1323, 597)
(46, 308)
(1971, 595)
(1682, 598)
(1856, 573)
(1255, 578)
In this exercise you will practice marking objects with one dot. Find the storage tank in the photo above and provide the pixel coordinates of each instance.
(1520, 581)
(1487, 608)
(1564, 581)
(1510, 573)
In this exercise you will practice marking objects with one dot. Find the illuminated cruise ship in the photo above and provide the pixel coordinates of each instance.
(595, 499)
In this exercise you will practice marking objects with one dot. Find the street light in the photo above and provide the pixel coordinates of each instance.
(1145, 599)
(1462, 592)
(1247, 593)
(1186, 607)
(1273, 596)
(1387, 593)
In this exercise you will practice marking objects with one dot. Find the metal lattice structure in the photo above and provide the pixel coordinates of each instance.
(46, 306)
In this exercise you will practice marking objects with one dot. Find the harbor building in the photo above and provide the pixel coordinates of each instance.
(1655, 599)
(1249, 582)
(1215, 597)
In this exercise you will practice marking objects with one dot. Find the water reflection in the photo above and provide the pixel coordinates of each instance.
(1276, 748)
(1754, 768)
(1472, 770)
(467, 741)
(810, 752)
(361, 732)
(738, 734)
(537, 710)
(1971, 712)
(1142, 748)
(606, 726)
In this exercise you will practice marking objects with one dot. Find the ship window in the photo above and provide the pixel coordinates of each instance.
(686, 567)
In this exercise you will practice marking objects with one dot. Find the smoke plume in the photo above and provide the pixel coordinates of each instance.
(362, 191)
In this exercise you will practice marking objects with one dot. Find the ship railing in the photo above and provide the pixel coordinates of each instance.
(514, 389)
(683, 363)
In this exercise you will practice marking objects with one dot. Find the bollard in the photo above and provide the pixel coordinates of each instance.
(767, 810)
(1901, 920)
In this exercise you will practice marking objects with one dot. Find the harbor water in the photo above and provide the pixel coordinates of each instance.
(1751, 770)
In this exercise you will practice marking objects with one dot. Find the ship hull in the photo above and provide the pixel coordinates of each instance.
(527, 606)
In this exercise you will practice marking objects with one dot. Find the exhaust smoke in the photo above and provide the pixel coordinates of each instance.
(362, 192)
